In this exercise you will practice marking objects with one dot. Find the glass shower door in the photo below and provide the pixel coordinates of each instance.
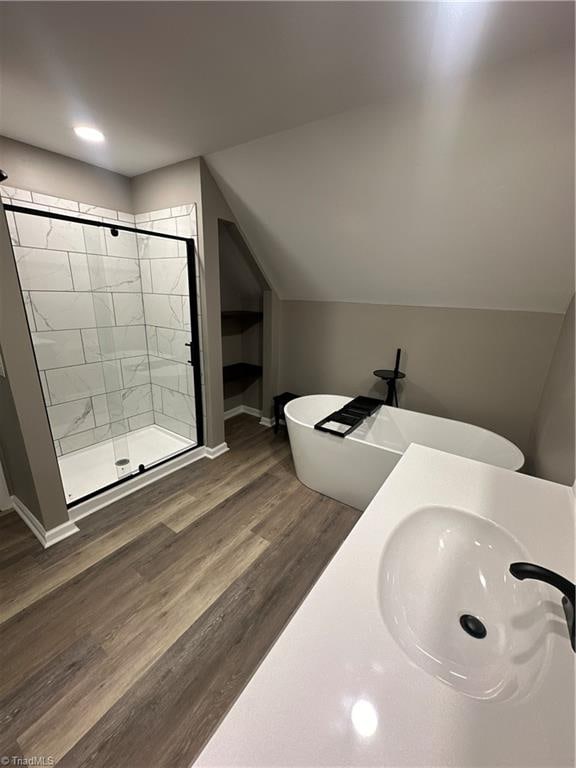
(67, 281)
(114, 328)
(168, 268)
(119, 344)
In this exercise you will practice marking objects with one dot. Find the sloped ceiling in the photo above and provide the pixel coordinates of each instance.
(166, 81)
(453, 189)
(460, 196)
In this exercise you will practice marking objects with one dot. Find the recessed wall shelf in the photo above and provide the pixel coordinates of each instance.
(238, 320)
(241, 314)
(238, 371)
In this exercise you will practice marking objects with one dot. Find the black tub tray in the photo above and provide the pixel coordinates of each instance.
(349, 417)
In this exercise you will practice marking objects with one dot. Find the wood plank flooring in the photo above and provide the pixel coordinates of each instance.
(127, 643)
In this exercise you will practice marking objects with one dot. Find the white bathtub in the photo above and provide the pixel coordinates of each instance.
(353, 468)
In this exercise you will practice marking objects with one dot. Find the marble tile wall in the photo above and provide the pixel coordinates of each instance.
(109, 318)
(83, 297)
(165, 286)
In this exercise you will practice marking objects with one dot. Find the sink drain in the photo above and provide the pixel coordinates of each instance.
(122, 462)
(472, 626)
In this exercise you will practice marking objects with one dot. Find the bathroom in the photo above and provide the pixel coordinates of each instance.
(292, 220)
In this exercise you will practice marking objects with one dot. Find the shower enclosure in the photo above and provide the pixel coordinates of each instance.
(112, 308)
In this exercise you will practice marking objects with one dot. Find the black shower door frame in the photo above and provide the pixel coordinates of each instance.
(195, 358)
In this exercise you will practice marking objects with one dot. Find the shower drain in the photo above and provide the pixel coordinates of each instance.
(122, 462)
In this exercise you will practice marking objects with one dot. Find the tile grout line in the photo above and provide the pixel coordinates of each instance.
(181, 326)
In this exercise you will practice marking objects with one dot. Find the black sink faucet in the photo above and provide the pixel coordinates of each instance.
(530, 571)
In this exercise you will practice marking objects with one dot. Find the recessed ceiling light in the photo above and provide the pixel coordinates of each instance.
(89, 134)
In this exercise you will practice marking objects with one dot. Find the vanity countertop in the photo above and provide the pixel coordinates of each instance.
(337, 689)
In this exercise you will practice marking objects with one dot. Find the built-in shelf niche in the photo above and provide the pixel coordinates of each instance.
(242, 315)
(242, 321)
(241, 372)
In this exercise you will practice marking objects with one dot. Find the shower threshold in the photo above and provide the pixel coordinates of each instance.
(98, 466)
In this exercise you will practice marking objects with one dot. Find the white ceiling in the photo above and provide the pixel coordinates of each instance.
(406, 153)
(168, 81)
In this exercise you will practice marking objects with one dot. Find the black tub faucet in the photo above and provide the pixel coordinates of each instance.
(530, 571)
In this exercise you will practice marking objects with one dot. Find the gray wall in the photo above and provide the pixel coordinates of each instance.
(214, 208)
(5, 501)
(52, 174)
(19, 478)
(481, 366)
(552, 445)
(271, 384)
(166, 187)
(25, 438)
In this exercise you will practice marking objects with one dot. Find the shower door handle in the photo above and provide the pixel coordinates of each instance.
(189, 344)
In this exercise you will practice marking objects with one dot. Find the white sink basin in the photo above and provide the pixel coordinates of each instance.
(374, 668)
(441, 564)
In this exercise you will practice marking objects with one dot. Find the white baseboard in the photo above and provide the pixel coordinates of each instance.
(105, 498)
(213, 453)
(46, 537)
(266, 421)
(49, 537)
(233, 412)
(252, 411)
(242, 409)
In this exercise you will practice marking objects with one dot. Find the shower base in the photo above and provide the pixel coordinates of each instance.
(93, 468)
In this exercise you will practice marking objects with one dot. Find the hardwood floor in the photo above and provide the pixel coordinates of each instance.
(126, 644)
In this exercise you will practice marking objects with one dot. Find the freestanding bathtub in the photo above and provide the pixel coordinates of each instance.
(352, 469)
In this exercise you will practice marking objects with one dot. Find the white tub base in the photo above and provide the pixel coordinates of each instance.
(352, 469)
